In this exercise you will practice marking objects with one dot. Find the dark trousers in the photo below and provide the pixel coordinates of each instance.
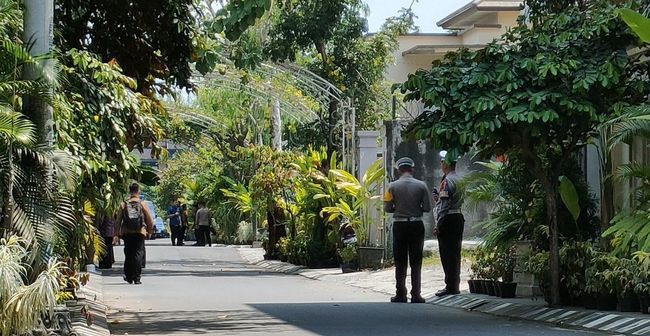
(107, 259)
(408, 242)
(133, 256)
(177, 235)
(450, 242)
(204, 235)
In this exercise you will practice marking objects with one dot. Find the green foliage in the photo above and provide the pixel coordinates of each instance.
(575, 257)
(569, 196)
(25, 303)
(348, 254)
(601, 276)
(152, 41)
(101, 119)
(637, 22)
(360, 197)
(238, 15)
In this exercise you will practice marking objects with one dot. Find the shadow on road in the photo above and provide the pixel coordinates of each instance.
(193, 322)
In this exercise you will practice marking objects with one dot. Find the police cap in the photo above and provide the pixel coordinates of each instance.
(405, 162)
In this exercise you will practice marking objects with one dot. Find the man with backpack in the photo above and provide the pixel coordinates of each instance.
(134, 224)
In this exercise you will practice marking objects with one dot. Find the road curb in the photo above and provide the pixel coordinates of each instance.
(572, 317)
(612, 322)
(91, 299)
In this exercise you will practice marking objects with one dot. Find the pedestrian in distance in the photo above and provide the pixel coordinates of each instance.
(450, 225)
(407, 199)
(185, 222)
(174, 216)
(134, 224)
(107, 230)
(203, 220)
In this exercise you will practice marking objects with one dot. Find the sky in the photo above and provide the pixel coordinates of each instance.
(428, 12)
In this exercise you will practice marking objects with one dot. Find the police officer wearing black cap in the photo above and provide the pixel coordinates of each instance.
(407, 199)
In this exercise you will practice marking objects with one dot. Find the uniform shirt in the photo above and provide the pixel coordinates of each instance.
(176, 220)
(449, 197)
(203, 217)
(148, 220)
(407, 197)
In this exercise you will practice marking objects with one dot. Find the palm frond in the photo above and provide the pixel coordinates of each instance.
(635, 122)
(15, 128)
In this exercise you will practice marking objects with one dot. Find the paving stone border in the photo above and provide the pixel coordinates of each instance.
(90, 298)
(525, 309)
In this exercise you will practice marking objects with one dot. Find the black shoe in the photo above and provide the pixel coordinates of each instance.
(137, 282)
(399, 299)
(418, 299)
(127, 280)
(445, 292)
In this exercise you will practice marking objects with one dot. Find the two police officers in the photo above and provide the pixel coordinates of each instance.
(407, 199)
(450, 225)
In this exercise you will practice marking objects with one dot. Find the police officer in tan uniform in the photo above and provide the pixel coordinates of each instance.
(407, 199)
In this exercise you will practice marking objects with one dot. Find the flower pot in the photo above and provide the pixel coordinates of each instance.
(507, 289)
(370, 257)
(607, 301)
(489, 286)
(628, 303)
(590, 300)
(497, 289)
(479, 287)
(472, 286)
(349, 268)
(644, 303)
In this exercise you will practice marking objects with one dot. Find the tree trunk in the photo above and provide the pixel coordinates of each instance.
(550, 187)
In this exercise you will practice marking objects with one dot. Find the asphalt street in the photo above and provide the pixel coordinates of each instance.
(212, 291)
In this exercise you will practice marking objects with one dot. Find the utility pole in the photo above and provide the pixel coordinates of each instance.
(38, 22)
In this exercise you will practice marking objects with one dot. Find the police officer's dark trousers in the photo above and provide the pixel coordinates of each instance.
(450, 242)
(408, 242)
(133, 256)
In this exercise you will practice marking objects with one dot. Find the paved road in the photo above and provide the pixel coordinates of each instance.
(212, 291)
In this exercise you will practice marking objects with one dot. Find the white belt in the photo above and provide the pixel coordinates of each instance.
(407, 219)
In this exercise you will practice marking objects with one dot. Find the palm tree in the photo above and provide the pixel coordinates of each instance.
(31, 202)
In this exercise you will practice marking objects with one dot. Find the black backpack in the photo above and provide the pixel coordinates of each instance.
(134, 218)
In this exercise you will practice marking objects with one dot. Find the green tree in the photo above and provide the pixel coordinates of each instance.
(328, 38)
(539, 93)
(152, 41)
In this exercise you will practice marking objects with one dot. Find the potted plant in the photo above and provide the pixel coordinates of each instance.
(574, 260)
(506, 288)
(478, 271)
(625, 274)
(349, 258)
(642, 281)
(538, 266)
(603, 281)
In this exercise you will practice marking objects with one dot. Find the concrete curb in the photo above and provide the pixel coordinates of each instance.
(90, 297)
(612, 322)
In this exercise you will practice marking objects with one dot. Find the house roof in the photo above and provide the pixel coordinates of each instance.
(474, 11)
(433, 49)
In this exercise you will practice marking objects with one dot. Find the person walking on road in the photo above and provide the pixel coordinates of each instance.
(134, 224)
(185, 222)
(203, 221)
(174, 215)
(407, 199)
(450, 226)
(107, 231)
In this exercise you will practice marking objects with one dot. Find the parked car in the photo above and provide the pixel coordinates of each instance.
(158, 223)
